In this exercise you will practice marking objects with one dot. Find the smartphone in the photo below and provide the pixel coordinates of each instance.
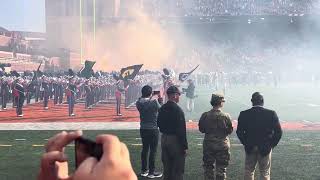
(156, 92)
(85, 148)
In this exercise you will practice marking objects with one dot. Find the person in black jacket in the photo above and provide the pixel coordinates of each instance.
(174, 145)
(259, 131)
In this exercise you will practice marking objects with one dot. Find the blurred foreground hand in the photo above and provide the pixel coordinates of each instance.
(114, 164)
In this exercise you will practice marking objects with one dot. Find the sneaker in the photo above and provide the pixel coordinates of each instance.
(20, 115)
(154, 175)
(72, 114)
(4, 108)
(119, 114)
(144, 173)
(46, 108)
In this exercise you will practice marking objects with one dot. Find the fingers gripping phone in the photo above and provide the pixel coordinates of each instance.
(85, 148)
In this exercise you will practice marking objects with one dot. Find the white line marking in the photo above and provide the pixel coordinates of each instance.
(20, 139)
(5, 145)
(136, 144)
(138, 138)
(313, 105)
(237, 145)
(37, 145)
(199, 144)
(306, 145)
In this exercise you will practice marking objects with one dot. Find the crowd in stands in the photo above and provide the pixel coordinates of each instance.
(230, 7)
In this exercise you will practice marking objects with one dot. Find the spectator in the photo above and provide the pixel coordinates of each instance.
(174, 145)
(149, 132)
(259, 131)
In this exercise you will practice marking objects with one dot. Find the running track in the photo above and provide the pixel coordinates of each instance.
(103, 115)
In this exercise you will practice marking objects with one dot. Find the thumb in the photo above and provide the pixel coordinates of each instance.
(85, 168)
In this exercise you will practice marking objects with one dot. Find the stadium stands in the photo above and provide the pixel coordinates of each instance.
(230, 7)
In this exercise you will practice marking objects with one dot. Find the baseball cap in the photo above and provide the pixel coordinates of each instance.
(217, 98)
(173, 90)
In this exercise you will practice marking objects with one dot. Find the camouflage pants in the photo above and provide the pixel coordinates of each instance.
(215, 161)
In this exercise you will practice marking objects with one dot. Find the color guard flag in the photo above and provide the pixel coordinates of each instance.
(87, 71)
(185, 76)
(130, 72)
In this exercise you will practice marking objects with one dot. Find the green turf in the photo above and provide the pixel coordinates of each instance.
(295, 102)
(291, 159)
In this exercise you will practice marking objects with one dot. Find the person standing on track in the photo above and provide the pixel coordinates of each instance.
(174, 145)
(217, 126)
(259, 131)
(4, 91)
(19, 94)
(71, 95)
(149, 132)
(46, 93)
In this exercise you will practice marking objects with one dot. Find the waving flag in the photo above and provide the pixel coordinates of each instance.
(87, 71)
(130, 72)
(185, 76)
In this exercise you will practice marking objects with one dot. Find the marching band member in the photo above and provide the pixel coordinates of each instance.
(4, 92)
(19, 94)
(71, 94)
(46, 94)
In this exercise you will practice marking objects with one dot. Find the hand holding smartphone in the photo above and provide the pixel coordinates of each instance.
(85, 148)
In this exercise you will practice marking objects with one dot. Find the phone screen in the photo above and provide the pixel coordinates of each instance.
(85, 148)
(156, 92)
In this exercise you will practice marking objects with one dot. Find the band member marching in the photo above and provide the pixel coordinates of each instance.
(88, 93)
(18, 93)
(46, 93)
(4, 91)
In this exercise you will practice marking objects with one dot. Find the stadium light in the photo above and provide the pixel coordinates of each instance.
(81, 33)
(94, 29)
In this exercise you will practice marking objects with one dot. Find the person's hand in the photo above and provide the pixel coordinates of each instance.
(114, 165)
(160, 99)
(54, 164)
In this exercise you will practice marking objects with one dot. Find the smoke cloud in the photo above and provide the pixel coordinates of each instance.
(138, 41)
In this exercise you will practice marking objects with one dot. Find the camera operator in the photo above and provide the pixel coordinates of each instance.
(149, 132)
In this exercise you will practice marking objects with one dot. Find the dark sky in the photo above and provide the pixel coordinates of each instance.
(23, 15)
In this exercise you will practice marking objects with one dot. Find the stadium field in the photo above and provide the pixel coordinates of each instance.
(295, 158)
(292, 102)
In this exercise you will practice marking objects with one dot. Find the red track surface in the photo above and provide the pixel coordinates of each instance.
(102, 113)
(59, 113)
